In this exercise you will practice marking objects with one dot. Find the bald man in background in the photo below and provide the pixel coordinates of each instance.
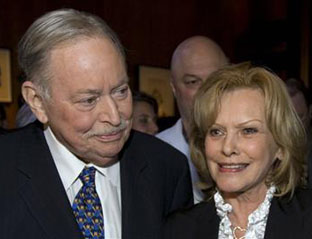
(192, 62)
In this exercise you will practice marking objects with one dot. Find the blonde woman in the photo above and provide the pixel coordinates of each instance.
(248, 145)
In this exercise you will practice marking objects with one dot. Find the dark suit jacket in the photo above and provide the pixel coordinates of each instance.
(154, 181)
(287, 220)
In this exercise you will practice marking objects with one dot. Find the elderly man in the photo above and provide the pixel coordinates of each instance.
(86, 174)
(192, 62)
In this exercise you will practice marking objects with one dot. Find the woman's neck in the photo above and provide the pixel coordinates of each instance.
(243, 204)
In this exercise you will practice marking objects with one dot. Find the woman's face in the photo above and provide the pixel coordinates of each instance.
(240, 149)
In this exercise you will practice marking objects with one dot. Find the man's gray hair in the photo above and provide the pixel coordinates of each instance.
(53, 29)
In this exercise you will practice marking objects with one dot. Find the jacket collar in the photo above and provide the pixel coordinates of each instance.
(41, 188)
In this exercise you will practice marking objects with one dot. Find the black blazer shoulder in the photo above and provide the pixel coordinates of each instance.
(197, 222)
(287, 219)
(291, 218)
(155, 181)
(33, 198)
(154, 148)
(163, 162)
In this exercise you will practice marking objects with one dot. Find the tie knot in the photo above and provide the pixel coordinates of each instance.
(87, 176)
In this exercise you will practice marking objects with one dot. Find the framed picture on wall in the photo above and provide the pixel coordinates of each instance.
(155, 82)
(5, 76)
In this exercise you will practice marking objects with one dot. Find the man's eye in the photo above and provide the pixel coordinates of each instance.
(248, 131)
(193, 82)
(143, 120)
(89, 101)
(122, 92)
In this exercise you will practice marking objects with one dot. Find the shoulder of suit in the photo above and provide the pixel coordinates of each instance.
(153, 146)
(30, 129)
(302, 200)
(197, 213)
(151, 141)
(23, 137)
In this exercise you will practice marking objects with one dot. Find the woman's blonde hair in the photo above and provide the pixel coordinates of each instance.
(282, 120)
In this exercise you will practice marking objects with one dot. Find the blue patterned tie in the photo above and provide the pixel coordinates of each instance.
(87, 207)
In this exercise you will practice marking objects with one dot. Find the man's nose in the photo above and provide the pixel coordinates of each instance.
(153, 128)
(109, 112)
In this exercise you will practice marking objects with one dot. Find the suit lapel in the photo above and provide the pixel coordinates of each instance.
(285, 220)
(209, 223)
(42, 190)
(132, 165)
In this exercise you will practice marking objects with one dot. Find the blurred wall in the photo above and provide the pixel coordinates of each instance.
(150, 30)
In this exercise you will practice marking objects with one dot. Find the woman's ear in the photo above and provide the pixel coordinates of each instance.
(279, 154)
(34, 99)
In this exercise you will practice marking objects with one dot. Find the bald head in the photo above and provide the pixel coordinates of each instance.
(192, 62)
(199, 54)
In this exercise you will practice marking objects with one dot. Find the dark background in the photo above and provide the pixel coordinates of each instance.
(275, 33)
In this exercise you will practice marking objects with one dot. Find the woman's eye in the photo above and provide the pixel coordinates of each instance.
(215, 132)
(250, 131)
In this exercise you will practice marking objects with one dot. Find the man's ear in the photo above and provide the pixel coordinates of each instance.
(172, 87)
(33, 98)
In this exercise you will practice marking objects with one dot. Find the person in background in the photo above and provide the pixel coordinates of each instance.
(24, 116)
(301, 99)
(192, 62)
(86, 174)
(248, 144)
(3, 117)
(145, 109)
(3, 120)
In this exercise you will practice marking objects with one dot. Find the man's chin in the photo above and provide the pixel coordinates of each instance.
(106, 162)
(101, 161)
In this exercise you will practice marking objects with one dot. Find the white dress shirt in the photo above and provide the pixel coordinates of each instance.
(257, 220)
(174, 136)
(107, 183)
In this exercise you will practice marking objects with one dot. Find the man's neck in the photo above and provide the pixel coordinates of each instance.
(186, 130)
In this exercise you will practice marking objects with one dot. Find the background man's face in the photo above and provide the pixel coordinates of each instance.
(144, 118)
(91, 105)
(187, 77)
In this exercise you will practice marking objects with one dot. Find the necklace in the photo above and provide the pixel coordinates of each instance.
(238, 228)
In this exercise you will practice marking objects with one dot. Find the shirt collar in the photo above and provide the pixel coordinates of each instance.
(256, 220)
(69, 166)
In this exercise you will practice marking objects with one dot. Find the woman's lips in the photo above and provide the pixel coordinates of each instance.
(232, 168)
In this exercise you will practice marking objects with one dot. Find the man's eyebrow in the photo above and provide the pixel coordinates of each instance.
(191, 75)
(125, 79)
(89, 91)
